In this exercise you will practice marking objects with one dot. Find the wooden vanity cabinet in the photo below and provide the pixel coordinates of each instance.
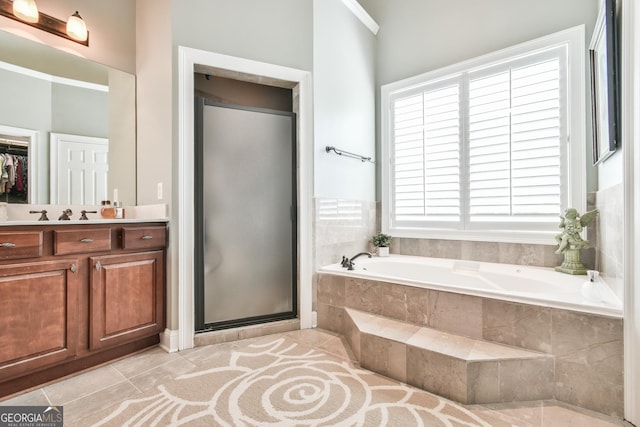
(126, 297)
(38, 324)
(75, 296)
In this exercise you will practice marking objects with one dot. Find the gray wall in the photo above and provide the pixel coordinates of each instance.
(46, 107)
(344, 102)
(111, 26)
(112, 32)
(79, 111)
(417, 36)
(30, 105)
(274, 31)
(421, 35)
(277, 32)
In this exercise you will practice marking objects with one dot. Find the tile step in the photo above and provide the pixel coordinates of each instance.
(460, 368)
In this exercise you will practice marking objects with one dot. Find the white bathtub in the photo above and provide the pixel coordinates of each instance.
(524, 284)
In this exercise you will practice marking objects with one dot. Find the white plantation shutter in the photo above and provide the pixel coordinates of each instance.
(483, 148)
(426, 157)
(515, 136)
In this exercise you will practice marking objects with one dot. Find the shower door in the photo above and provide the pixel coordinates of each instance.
(245, 215)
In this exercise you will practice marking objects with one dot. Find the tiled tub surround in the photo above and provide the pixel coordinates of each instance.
(507, 253)
(586, 349)
(610, 234)
(340, 227)
(516, 283)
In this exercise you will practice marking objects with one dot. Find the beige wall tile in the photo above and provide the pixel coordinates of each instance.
(330, 317)
(589, 365)
(352, 335)
(510, 253)
(481, 251)
(365, 295)
(521, 254)
(521, 325)
(442, 375)
(394, 301)
(580, 384)
(331, 289)
(456, 313)
(383, 356)
(530, 379)
(483, 382)
(573, 332)
(417, 305)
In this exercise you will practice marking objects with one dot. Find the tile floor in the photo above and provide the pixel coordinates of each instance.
(108, 385)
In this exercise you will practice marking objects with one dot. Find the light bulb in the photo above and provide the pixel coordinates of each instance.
(26, 10)
(76, 28)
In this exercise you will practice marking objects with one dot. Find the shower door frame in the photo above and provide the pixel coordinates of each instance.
(198, 187)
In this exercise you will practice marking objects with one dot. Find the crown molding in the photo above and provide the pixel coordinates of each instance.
(362, 15)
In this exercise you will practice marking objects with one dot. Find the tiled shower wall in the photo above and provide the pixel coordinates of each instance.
(340, 227)
(610, 236)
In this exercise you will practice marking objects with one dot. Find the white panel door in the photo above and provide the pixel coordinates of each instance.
(79, 168)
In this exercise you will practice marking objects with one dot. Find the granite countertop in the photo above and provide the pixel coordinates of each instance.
(84, 222)
(21, 214)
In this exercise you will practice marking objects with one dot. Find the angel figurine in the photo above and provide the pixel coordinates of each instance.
(569, 241)
(573, 225)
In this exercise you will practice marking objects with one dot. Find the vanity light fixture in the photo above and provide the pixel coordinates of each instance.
(76, 28)
(26, 11)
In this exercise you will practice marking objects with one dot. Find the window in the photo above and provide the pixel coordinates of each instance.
(489, 149)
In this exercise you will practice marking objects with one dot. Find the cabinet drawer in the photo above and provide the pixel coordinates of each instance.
(20, 244)
(144, 237)
(81, 241)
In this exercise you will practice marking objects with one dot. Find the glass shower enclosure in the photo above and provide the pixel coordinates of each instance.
(245, 215)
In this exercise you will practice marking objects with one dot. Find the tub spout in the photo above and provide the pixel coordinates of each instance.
(359, 255)
(350, 263)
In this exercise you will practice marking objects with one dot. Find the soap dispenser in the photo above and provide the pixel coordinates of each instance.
(107, 211)
(591, 289)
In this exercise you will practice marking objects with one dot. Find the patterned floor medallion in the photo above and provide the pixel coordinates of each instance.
(280, 382)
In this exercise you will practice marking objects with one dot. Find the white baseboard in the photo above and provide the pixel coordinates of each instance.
(169, 341)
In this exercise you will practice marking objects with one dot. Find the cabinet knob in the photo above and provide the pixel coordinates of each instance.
(146, 237)
(7, 245)
(73, 268)
(98, 266)
(87, 240)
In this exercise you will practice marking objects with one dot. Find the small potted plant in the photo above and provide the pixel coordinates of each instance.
(382, 242)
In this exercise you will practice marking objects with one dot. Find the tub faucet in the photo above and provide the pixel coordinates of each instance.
(350, 263)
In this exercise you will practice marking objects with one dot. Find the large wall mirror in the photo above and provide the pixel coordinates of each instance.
(70, 121)
(604, 60)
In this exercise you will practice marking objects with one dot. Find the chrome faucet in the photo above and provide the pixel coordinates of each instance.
(66, 215)
(348, 263)
(83, 214)
(43, 215)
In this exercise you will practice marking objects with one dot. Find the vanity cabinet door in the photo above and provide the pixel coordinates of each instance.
(126, 297)
(38, 318)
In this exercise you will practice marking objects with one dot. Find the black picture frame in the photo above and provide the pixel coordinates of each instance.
(603, 59)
